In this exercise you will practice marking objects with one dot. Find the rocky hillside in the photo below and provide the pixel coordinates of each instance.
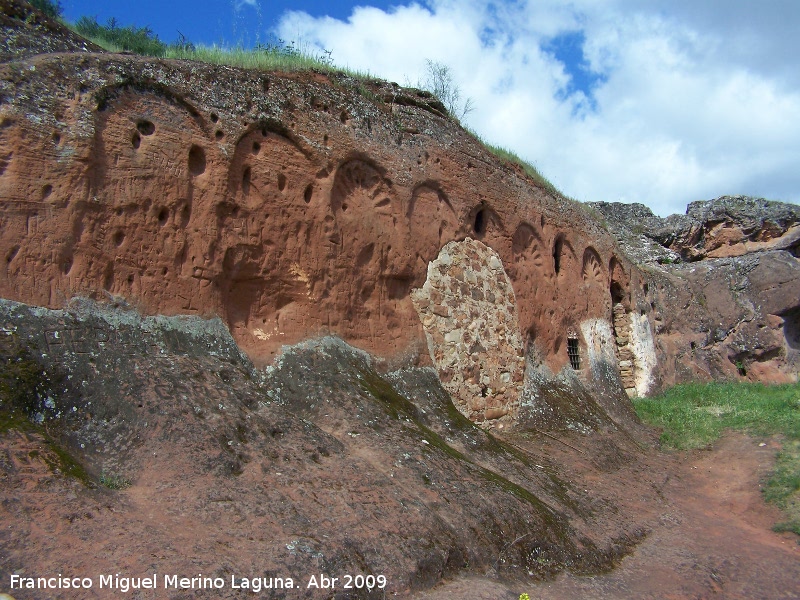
(299, 205)
(271, 324)
(727, 277)
(183, 458)
(265, 211)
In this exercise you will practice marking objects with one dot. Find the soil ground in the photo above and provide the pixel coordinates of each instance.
(709, 534)
(708, 529)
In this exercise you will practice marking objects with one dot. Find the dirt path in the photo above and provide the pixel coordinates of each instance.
(709, 537)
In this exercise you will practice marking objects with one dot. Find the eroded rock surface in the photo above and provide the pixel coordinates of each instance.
(159, 448)
(26, 32)
(724, 291)
(721, 228)
(274, 210)
(290, 206)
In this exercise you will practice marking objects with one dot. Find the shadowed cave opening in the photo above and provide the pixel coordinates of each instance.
(558, 248)
(617, 293)
(197, 160)
(791, 328)
(145, 127)
(480, 222)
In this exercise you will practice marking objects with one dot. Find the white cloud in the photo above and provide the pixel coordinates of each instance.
(696, 100)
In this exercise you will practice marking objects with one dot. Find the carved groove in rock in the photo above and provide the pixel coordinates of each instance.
(432, 223)
(592, 267)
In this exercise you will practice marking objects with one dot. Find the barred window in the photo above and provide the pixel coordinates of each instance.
(574, 353)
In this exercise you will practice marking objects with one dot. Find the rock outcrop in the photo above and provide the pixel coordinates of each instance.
(724, 286)
(135, 445)
(285, 310)
(291, 206)
(722, 228)
(25, 32)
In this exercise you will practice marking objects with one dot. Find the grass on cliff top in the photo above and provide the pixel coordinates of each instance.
(262, 59)
(273, 56)
(694, 415)
(512, 157)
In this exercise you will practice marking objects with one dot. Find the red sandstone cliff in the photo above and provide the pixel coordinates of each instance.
(290, 205)
(294, 205)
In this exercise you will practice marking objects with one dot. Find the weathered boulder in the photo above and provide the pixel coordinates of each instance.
(721, 228)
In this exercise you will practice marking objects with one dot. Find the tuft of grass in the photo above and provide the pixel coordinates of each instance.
(269, 58)
(694, 415)
(783, 488)
(114, 482)
(114, 38)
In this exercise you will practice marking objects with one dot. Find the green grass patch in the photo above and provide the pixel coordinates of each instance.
(694, 415)
(274, 56)
(114, 482)
(783, 488)
(48, 7)
(115, 38)
(267, 58)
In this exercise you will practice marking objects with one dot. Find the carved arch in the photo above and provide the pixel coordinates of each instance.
(563, 255)
(592, 269)
(527, 245)
(483, 220)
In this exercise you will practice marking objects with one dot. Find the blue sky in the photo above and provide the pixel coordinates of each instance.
(216, 22)
(655, 101)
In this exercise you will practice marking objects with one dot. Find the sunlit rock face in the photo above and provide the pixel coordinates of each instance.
(294, 206)
(289, 206)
